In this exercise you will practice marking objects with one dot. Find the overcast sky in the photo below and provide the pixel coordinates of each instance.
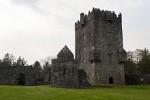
(36, 29)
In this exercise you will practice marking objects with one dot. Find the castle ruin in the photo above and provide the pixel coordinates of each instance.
(99, 46)
(99, 56)
(99, 52)
(65, 72)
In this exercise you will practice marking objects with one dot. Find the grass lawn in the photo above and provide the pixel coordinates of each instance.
(140, 92)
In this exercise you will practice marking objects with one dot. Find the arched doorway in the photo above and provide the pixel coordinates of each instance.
(111, 81)
(21, 79)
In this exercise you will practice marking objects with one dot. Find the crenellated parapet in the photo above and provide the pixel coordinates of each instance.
(98, 14)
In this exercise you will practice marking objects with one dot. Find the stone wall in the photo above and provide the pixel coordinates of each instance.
(17, 75)
(65, 75)
(65, 72)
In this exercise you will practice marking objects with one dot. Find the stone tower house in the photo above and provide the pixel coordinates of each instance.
(99, 46)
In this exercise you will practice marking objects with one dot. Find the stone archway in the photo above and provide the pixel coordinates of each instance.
(111, 80)
(21, 79)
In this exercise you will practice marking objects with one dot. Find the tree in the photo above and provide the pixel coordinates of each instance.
(45, 73)
(139, 58)
(130, 55)
(47, 60)
(46, 66)
(38, 70)
(20, 62)
(138, 55)
(144, 63)
(46, 63)
(7, 60)
(130, 67)
(37, 66)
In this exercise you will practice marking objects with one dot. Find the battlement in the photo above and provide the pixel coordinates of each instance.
(98, 14)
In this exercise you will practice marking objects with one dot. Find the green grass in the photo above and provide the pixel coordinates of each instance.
(99, 92)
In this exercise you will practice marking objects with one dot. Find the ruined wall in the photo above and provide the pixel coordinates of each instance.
(65, 72)
(99, 46)
(10, 75)
(64, 75)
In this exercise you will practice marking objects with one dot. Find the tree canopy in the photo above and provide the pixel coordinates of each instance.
(138, 62)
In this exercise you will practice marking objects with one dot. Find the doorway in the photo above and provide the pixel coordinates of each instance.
(111, 81)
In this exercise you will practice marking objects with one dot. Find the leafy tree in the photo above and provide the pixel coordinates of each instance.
(144, 63)
(46, 66)
(130, 67)
(47, 60)
(21, 62)
(138, 62)
(46, 63)
(37, 66)
(38, 70)
(130, 55)
(46, 69)
(137, 55)
(7, 60)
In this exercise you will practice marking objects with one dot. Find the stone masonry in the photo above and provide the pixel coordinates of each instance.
(99, 46)
(65, 72)
(17, 75)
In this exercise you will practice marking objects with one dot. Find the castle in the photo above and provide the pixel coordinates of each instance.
(99, 56)
(99, 46)
(98, 51)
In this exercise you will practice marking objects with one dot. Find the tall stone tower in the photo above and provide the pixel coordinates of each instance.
(99, 46)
